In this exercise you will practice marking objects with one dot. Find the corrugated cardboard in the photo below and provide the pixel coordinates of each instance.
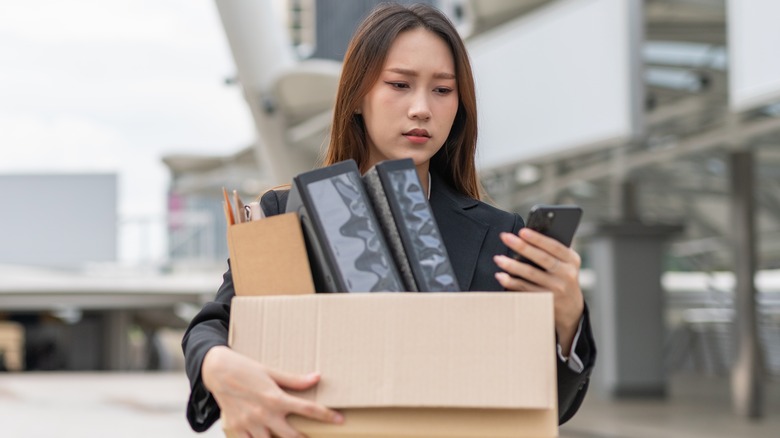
(268, 257)
(412, 365)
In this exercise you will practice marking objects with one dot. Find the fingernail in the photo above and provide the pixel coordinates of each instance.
(338, 419)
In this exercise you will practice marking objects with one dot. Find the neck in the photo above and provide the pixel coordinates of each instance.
(422, 173)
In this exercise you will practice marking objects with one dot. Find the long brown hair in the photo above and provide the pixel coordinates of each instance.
(362, 66)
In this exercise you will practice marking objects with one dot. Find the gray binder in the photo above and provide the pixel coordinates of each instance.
(346, 247)
(409, 226)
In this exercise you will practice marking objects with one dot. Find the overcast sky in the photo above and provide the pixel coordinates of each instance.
(91, 85)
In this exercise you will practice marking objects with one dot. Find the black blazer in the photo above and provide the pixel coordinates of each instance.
(470, 230)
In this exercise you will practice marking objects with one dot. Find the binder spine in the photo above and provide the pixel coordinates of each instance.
(384, 214)
(417, 227)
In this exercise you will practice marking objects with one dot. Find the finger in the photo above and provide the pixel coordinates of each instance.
(551, 269)
(528, 250)
(298, 382)
(510, 265)
(537, 279)
(520, 269)
(568, 264)
(550, 245)
(282, 429)
(261, 432)
(515, 284)
(313, 410)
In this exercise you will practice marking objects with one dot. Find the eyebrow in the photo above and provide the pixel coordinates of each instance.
(407, 72)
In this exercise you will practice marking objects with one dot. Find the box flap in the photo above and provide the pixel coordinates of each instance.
(268, 257)
(487, 350)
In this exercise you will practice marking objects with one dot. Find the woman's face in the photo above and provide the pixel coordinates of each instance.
(409, 111)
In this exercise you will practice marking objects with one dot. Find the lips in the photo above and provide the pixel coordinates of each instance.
(417, 133)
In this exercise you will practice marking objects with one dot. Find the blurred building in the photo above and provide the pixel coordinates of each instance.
(661, 118)
(58, 220)
(65, 303)
(196, 224)
(321, 29)
(53, 222)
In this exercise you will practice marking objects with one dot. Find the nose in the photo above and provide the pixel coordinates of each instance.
(420, 108)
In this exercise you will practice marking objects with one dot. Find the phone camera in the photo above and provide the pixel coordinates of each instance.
(549, 219)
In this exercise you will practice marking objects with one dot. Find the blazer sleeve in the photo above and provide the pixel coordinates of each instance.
(209, 328)
(572, 386)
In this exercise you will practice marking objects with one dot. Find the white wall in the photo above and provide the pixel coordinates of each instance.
(559, 78)
(58, 220)
(754, 61)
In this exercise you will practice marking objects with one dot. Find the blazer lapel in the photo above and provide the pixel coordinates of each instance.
(463, 235)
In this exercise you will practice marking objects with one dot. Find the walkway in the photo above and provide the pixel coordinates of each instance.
(84, 405)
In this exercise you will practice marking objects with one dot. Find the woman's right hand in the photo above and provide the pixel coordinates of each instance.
(251, 397)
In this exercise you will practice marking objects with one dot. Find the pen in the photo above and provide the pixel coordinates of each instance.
(228, 208)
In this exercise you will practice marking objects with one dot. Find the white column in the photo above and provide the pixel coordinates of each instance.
(261, 47)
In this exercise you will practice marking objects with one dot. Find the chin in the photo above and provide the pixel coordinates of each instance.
(417, 159)
(418, 156)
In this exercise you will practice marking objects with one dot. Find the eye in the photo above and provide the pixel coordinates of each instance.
(442, 90)
(398, 85)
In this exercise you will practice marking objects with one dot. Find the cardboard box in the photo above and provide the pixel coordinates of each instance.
(412, 365)
(268, 257)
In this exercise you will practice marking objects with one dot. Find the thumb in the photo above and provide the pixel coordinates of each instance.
(297, 382)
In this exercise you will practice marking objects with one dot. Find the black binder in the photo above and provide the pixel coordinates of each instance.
(409, 226)
(346, 248)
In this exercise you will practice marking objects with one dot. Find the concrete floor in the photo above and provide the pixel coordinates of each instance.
(87, 405)
(697, 406)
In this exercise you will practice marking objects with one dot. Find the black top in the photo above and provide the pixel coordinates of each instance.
(470, 230)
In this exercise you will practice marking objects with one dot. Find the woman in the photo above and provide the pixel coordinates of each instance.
(406, 91)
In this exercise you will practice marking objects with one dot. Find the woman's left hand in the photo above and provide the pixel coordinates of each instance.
(560, 276)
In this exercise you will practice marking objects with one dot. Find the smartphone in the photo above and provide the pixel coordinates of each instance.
(557, 221)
